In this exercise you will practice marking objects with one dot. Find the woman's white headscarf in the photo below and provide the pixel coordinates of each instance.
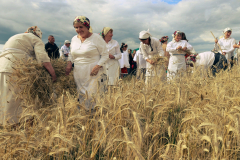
(144, 34)
(227, 29)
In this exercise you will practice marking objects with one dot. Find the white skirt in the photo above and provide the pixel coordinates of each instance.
(10, 110)
(87, 84)
(112, 71)
(176, 64)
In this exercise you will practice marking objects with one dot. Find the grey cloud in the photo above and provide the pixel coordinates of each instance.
(127, 18)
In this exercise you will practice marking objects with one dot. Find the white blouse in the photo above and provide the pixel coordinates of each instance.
(141, 62)
(156, 46)
(226, 46)
(20, 46)
(92, 50)
(114, 49)
(172, 47)
(124, 62)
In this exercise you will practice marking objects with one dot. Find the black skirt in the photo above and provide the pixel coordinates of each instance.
(220, 63)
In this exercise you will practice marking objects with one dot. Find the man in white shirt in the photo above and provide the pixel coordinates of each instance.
(141, 64)
(226, 45)
(65, 50)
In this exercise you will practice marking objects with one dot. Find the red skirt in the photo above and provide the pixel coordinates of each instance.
(124, 70)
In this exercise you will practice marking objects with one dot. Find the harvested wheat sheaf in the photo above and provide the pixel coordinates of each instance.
(34, 81)
(191, 117)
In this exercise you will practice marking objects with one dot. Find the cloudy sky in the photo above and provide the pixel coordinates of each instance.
(127, 18)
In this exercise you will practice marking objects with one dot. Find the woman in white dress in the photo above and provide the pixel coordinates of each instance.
(88, 53)
(124, 61)
(150, 47)
(176, 49)
(226, 43)
(18, 47)
(112, 65)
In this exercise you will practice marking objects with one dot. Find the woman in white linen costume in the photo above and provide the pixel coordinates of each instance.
(88, 53)
(226, 43)
(176, 49)
(124, 61)
(150, 47)
(19, 47)
(112, 65)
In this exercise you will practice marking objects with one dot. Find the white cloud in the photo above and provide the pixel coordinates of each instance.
(127, 18)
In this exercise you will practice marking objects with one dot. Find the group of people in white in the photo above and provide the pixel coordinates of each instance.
(93, 55)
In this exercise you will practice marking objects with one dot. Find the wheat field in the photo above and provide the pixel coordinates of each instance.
(191, 117)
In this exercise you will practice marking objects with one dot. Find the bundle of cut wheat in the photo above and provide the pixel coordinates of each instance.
(34, 81)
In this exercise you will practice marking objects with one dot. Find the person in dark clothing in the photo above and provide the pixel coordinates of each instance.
(130, 59)
(134, 64)
(51, 48)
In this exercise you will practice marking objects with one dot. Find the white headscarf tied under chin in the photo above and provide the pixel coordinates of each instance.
(144, 34)
(227, 29)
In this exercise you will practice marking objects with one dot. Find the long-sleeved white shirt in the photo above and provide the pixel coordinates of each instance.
(172, 47)
(24, 45)
(141, 62)
(226, 46)
(146, 49)
(114, 49)
(92, 50)
(64, 50)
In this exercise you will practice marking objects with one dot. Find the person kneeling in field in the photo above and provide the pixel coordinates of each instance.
(208, 60)
(19, 47)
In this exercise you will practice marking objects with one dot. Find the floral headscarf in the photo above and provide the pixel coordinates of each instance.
(191, 59)
(105, 31)
(175, 33)
(35, 30)
(84, 20)
(164, 39)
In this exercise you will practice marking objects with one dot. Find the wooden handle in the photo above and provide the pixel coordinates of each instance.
(217, 43)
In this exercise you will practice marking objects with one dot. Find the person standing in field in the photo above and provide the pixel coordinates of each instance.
(134, 64)
(164, 41)
(177, 49)
(88, 53)
(19, 47)
(130, 59)
(151, 47)
(226, 45)
(112, 65)
(65, 50)
(124, 62)
(51, 48)
(141, 64)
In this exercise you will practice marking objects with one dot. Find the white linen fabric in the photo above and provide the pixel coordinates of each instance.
(226, 46)
(148, 54)
(10, 110)
(18, 47)
(177, 58)
(85, 55)
(141, 62)
(124, 61)
(204, 61)
(22, 46)
(144, 34)
(112, 65)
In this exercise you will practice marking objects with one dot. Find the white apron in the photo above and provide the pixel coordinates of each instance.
(10, 110)
(176, 64)
(112, 70)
